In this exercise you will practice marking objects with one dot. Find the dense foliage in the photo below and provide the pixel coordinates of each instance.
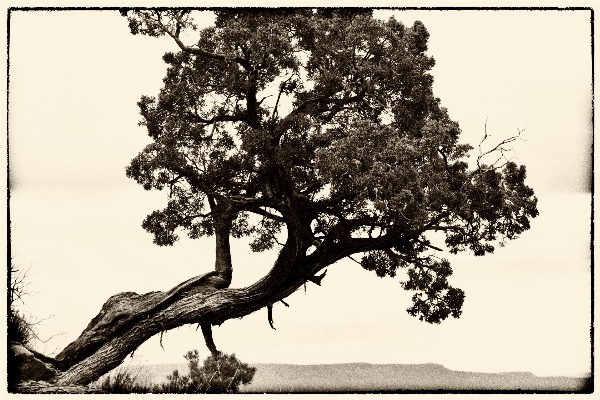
(321, 124)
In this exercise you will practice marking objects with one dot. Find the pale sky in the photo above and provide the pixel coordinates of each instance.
(75, 79)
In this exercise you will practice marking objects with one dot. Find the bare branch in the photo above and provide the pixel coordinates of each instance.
(219, 118)
(281, 89)
(498, 148)
(445, 228)
(267, 214)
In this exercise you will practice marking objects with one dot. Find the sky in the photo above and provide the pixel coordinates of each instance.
(75, 79)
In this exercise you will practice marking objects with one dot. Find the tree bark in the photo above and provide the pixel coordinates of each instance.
(207, 306)
(127, 319)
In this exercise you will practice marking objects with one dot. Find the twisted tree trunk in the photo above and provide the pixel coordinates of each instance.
(207, 305)
(127, 320)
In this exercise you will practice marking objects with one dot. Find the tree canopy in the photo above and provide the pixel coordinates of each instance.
(315, 132)
(323, 123)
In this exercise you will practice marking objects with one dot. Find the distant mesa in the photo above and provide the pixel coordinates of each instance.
(363, 377)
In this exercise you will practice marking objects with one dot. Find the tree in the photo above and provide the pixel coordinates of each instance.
(316, 128)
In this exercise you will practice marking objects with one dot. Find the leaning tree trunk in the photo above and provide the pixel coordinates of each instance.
(127, 319)
(207, 305)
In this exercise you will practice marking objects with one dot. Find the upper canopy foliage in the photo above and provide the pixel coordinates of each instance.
(325, 117)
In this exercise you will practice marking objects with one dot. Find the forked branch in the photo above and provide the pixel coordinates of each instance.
(500, 147)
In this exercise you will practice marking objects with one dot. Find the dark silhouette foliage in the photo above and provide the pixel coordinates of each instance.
(316, 133)
(363, 152)
(219, 374)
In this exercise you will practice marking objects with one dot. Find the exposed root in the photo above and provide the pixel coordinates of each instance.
(208, 339)
(47, 359)
(270, 315)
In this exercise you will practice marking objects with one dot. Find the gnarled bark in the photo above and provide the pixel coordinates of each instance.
(128, 319)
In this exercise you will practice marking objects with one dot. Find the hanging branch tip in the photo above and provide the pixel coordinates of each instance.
(270, 315)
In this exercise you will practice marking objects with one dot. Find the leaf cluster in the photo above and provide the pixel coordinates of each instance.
(436, 299)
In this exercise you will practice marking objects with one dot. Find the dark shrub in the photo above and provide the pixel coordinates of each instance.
(221, 374)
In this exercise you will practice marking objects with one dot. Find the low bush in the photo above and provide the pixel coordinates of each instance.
(221, 374)
(124, 381)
